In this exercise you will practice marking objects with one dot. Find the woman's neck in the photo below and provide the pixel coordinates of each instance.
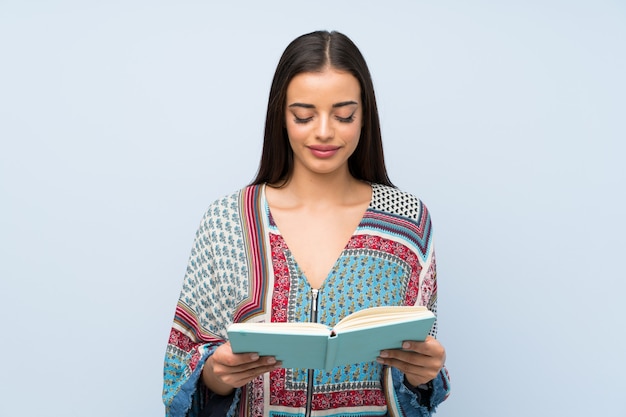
(322, 190)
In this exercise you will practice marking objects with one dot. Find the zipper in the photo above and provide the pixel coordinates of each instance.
(311, 372)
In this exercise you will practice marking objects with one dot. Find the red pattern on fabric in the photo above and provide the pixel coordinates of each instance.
(353, 398)
(195, 359)
(280, 298)
(181, 341)
(256, 402)
(429, 283)
(281, 396)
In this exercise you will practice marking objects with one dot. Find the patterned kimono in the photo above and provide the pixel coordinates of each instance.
(241, 270)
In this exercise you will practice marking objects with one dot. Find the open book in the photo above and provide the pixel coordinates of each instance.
(359, 337)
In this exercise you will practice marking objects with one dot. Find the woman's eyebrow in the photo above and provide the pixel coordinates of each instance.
(311, 106)
(304, 105)
(344, 103)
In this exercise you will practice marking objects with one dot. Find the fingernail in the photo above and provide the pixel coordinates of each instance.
(271, 361)
(406, 345)
(384, 354)
(254, 356)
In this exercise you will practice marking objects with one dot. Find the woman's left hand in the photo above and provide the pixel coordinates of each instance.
(419, 361)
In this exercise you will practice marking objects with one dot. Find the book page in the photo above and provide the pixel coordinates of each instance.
(375, 316)
(280, 328)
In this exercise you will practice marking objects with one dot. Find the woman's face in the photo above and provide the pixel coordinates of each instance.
(323, 116)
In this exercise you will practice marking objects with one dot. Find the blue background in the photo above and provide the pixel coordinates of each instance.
(121, 121)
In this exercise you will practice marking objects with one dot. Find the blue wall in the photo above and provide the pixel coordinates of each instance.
(121, 121)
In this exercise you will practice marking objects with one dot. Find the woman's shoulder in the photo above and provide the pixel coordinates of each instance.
(231, 202)
(397, 202)
(225, 214)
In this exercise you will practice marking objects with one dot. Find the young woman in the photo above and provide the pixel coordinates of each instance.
(320, 233)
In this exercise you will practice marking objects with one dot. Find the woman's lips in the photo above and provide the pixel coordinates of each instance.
(323, 151)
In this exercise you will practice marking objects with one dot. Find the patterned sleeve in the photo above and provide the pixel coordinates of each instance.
(423, 400)
(204, 309)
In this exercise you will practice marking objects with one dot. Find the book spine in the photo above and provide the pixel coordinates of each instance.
(331, 351)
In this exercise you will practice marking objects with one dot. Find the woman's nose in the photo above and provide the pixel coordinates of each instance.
(325, 129)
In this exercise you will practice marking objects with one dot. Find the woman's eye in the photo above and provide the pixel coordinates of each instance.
(301, 120)
(348, 119)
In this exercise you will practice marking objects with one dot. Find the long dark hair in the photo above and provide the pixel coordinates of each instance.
(312, 53)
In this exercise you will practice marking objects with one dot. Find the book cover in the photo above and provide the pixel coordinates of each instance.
(358, 337)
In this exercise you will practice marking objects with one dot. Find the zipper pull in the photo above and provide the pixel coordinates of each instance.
(314, 293)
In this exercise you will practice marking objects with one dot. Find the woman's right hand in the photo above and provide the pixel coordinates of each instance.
(224, 370)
